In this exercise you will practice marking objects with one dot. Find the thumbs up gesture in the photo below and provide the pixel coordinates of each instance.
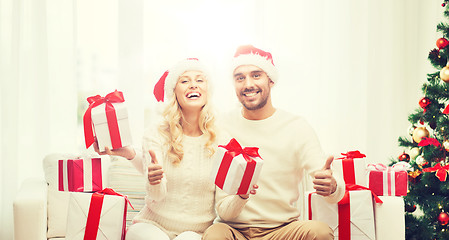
(155, 171)
(323, 181)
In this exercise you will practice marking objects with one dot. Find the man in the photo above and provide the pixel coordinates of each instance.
(288, 146)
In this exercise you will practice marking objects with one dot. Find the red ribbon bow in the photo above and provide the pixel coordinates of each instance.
(110, 191)
(352, 154)
(441, 172)
(93, 217)
(234, 149)
(353, 187)
(94, 101)
(429, 141)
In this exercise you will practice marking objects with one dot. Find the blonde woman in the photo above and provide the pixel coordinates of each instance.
(180, 195)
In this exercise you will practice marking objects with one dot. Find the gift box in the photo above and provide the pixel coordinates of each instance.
(108, 116)
(100, 215)
(351, 219)
(390, 218)
(80, 175)
(235, 169)
(352, 167)
(388, 181)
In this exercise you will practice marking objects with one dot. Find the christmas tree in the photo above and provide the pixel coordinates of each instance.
(427, 202)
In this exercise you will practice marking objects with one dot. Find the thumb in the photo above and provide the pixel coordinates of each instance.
(328, 164)
(153, 157)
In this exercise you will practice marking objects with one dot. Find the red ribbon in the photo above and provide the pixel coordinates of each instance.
(94, 101)
(234, 149)
(348, 170)
(75, 175)
(348, 165)
(344, 210)
(441, 172)
(446, 110)
(93, 217)
(429, 141)
(75, 179)
(352, 154)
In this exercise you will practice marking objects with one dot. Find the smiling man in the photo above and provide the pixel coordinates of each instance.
(288, 147)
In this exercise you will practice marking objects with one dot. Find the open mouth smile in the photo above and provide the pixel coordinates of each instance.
(193, 95)
(250, 93)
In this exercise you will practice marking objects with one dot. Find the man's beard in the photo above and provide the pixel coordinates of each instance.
(251, 107)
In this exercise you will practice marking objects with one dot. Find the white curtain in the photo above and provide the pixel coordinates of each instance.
(353, 68)
(37, 83)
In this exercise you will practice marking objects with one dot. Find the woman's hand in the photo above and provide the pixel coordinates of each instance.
(126, 152)
(155, 171)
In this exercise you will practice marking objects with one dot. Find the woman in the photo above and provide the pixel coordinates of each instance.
(180, 195)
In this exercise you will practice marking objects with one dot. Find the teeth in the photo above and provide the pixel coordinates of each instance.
(251, 94)
(191, 95)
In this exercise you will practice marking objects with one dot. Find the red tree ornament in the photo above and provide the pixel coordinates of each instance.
(424, 103)
(442, 43)
(404, 157)
(443, 219)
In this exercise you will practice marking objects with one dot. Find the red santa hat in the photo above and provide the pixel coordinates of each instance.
(164, 88)
(250, 55)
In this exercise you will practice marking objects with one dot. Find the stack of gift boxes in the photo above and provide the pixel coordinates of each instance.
(372, 207)
(96, 212)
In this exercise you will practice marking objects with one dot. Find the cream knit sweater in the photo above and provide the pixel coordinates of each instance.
(184, 201)
(288, 146)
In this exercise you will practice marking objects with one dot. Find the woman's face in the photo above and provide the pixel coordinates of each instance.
(191, 90)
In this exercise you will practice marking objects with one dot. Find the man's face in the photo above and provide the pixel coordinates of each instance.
(252, 86)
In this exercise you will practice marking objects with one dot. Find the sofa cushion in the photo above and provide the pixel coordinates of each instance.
(124, 178)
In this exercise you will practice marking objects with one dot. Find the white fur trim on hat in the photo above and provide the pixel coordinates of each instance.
(190, 64)
(253, 58)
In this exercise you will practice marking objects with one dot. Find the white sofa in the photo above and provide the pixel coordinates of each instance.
(40, 210)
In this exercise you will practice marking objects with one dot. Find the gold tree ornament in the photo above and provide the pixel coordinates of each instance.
(419, 133)
(444, 74)
(414, 152)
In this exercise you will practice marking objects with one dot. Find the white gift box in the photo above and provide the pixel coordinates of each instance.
(351, 169)
(390, 218)
(361, 214)
(236, 175)
(101, 127)
(111, 225)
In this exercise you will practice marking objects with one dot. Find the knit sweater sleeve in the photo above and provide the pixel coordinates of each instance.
(228, 206)
(314, 160)
(151, 141)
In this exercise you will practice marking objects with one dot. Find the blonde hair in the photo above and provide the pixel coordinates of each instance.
(171, 128)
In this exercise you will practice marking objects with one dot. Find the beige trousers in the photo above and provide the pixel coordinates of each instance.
(296, 230)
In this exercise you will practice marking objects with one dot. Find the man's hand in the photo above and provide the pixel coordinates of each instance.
(323, 182)
(253, 191)
(155, 171)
